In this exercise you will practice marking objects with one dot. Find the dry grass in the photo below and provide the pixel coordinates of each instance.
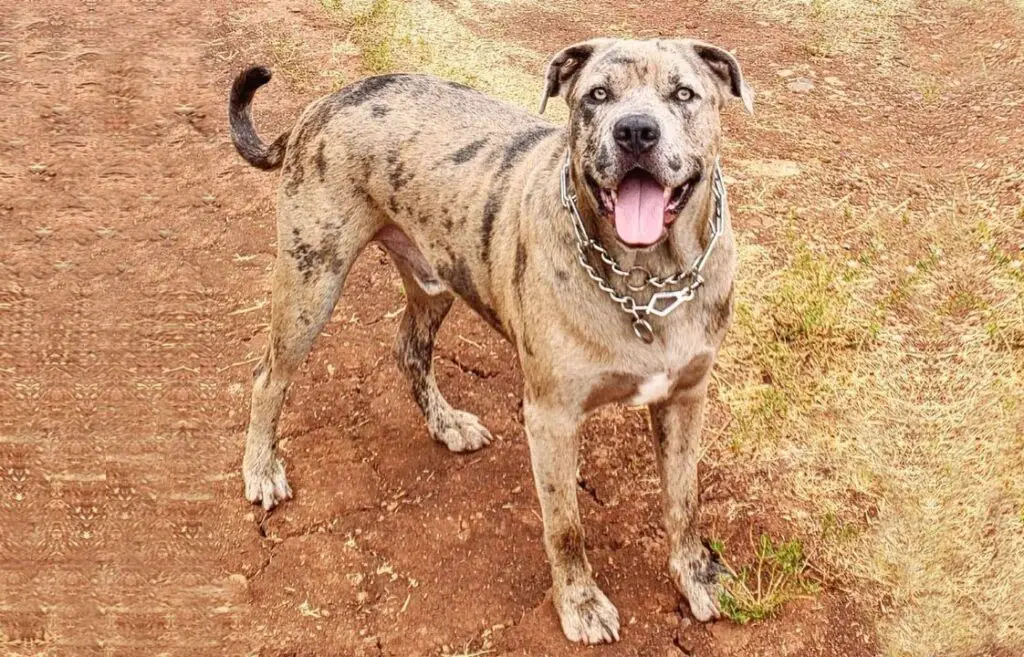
(896, 433)
(837, 26)
(420, 36)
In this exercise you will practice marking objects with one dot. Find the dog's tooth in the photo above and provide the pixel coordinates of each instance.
(668, 194)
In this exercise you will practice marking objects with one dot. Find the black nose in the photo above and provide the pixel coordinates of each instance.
(636, 133)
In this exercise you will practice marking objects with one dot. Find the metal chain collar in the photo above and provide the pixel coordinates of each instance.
(662, 303)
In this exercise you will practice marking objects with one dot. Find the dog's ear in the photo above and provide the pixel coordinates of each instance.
(566, 65)
(725, 70)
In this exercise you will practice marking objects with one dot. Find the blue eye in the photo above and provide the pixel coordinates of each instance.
(684, 94)
(600, 94)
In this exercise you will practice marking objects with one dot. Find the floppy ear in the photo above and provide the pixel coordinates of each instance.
(566, 65)
(726, 71)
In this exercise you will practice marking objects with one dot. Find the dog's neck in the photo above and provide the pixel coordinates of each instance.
(686, 238)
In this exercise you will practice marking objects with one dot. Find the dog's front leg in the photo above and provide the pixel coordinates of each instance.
(585, 612)
(676, 425)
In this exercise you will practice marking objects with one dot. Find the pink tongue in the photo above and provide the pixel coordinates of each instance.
(640, 211)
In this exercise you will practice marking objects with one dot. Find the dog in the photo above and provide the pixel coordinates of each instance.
(601, 250)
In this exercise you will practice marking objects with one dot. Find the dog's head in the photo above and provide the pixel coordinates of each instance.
(643, 125)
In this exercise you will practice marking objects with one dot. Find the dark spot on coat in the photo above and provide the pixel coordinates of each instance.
(306, 258)
(460, 279)
(415, 346)
(659, 433)
(693, 372)
(569, 544)
(519, 270)
(561, 275)
(611, 389)
(706, 568)
(522, 144)
(312, 124)
(399, 177)
(675, 163)
(491, 209)
(362, 91)
(604, 159)
(294, 174)
(330, 242)
(320, 161)
(380, 111)
(468, 152)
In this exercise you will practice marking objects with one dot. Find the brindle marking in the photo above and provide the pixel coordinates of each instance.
(320, 161)
(469, 151)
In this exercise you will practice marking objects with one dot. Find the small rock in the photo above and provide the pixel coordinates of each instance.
(835, 82)
(784, 72)
(800, 85)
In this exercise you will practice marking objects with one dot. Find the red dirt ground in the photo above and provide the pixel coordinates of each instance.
(133, 282)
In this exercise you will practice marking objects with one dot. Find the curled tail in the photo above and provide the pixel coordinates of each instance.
(243, 131)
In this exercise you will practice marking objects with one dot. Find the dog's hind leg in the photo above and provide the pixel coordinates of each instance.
(414, 347)
(314, 256)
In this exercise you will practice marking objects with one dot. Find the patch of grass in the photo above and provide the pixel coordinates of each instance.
(758, 590)
(373, 29)
(798, 330)
(810, 301)
(290, 57)
(420, 36)
(837, 27)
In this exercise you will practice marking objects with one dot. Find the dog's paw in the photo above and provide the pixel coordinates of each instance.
(461, 432)
(697, 579)
(587, 615)
(266, 485)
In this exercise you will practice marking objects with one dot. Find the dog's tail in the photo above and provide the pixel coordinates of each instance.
(243, 131)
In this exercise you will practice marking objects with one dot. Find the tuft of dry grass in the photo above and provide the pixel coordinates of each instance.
(758, 590)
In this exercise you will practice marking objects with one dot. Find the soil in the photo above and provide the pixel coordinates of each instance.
(133, 303)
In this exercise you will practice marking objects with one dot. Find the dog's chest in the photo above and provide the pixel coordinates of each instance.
(655, 382)
(654, 388)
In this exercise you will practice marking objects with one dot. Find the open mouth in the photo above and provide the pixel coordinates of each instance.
(641, 207)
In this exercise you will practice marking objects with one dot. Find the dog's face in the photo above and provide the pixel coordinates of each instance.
(643, 126)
